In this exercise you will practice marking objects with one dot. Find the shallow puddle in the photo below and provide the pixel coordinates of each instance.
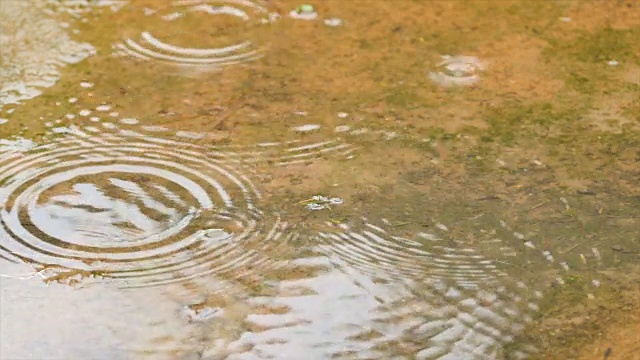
(236, 179)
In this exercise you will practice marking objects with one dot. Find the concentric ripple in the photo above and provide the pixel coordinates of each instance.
(226, 49)
(365, 293)
(433, 255)
(468, 294)
(131, 209)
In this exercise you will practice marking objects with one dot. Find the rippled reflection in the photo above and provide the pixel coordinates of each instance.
(135, 210)
(421, 301)
(34, 48)
(229, 48)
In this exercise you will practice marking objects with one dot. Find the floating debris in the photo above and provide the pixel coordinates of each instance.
(343, 115)
(613, 63)
(304, 12)
(193, 313)
(320, 202)
(86, 84)
(565, 19)
(457, 71)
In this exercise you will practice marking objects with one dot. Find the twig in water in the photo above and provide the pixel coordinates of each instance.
(537, 206)
(571, 248)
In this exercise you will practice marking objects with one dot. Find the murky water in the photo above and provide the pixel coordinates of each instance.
(235, 179)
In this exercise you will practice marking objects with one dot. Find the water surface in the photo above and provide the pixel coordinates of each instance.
(374, 180)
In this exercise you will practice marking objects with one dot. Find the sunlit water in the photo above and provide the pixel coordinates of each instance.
(130, 239)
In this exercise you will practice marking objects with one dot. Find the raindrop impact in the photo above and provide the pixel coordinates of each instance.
(137, 210)
(229, 45)
(457, 71)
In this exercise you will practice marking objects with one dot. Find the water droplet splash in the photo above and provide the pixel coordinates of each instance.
(457, 71)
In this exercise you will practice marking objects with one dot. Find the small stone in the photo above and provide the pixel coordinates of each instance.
(617, 248)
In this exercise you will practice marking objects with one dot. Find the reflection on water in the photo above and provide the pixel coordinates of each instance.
(33, 49)
(142, 209)
(161, 217)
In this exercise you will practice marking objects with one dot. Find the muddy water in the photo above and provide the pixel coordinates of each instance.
(238, 179)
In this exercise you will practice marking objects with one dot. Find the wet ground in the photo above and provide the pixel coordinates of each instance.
(238, 179)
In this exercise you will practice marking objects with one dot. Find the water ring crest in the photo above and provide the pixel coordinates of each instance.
(137, 211)
(149, 47)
